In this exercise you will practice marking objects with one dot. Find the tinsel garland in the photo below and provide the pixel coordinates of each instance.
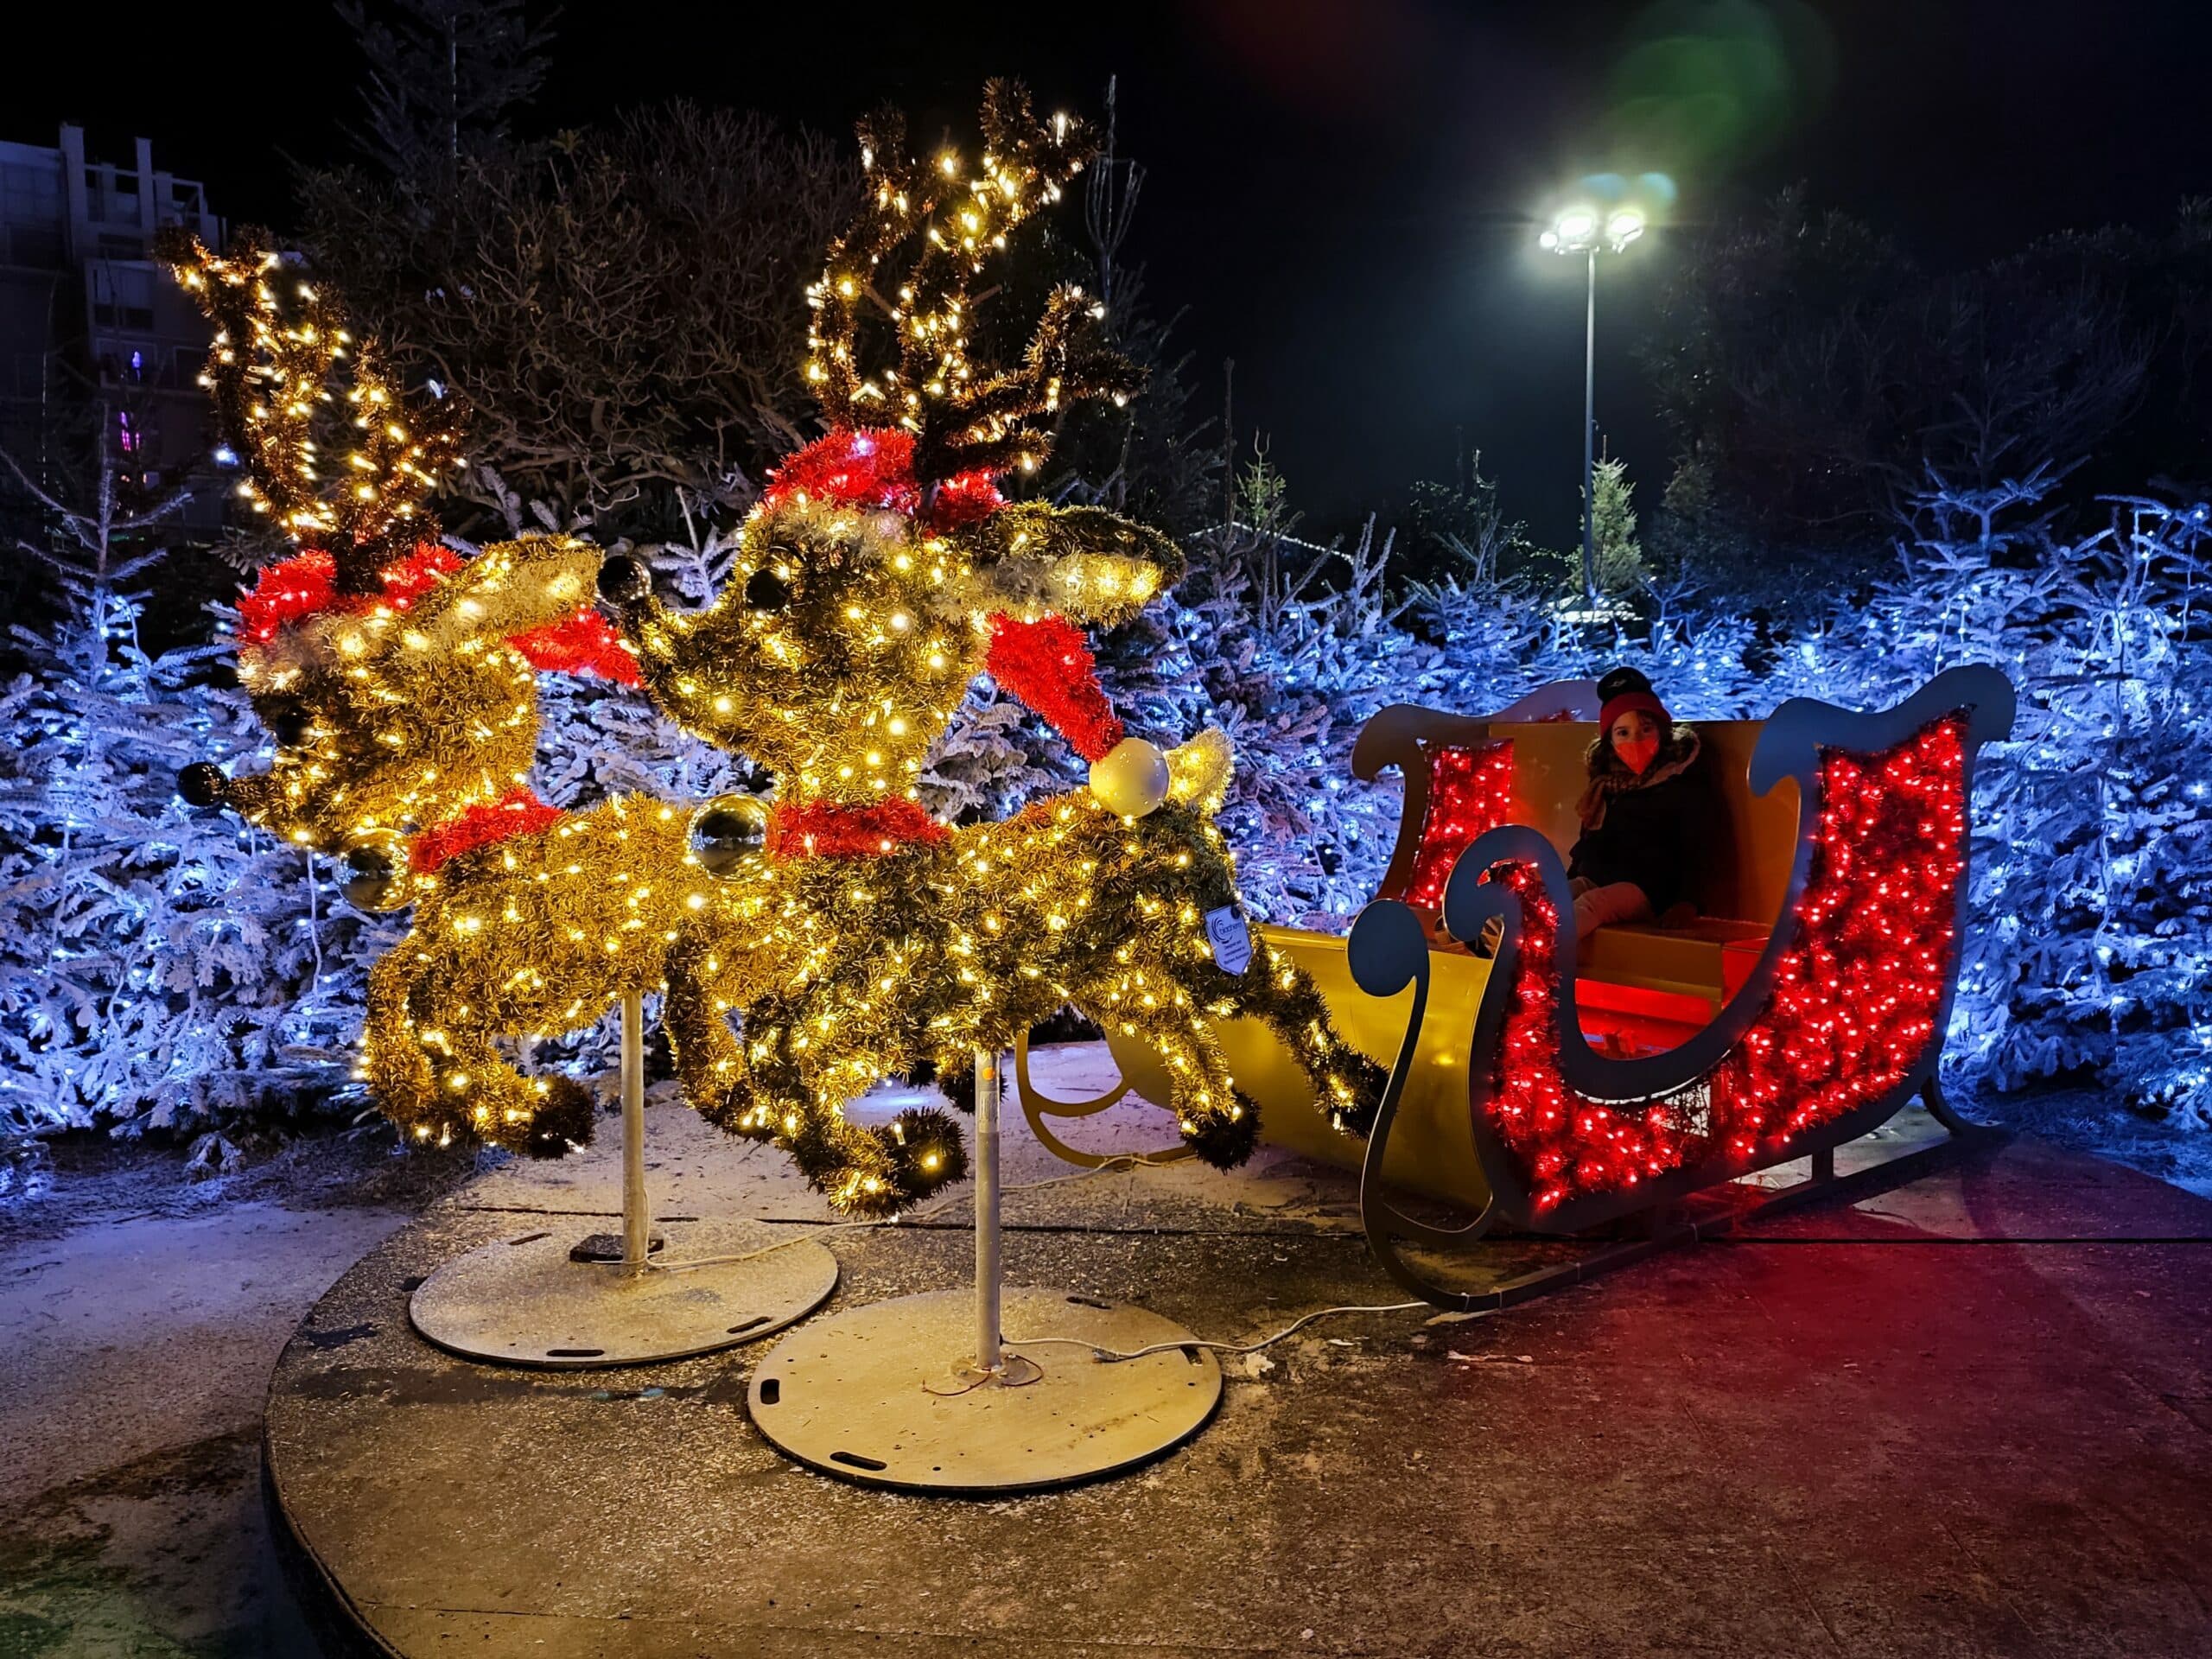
(376, 657)
(1047, 664)
(333, 451)
(1470, 793)
(291, 590)
(825, 830)
(1853, 1006)
(306, 585)
(584, 643)
(933, 952)
(540, 934)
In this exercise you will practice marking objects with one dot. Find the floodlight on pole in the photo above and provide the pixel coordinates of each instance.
(1580, 228)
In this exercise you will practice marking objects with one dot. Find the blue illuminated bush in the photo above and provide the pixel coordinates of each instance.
(164, 968)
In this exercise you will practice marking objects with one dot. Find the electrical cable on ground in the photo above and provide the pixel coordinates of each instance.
(1131, 1162)
(1114, 1356)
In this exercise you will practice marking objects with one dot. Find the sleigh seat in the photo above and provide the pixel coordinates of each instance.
(1645, 980)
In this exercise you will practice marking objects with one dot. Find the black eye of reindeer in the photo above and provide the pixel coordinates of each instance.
(768, 591)
(624, 581)
(287, 722)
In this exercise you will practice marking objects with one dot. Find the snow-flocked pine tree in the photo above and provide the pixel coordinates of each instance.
(162, 967)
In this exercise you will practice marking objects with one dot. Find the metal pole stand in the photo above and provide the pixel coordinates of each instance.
(557, 1298)
(892, 1394)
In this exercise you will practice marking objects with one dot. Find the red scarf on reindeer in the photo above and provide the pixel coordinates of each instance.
(306, 585)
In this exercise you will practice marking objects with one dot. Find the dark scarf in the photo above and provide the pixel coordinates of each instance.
(1676, 756)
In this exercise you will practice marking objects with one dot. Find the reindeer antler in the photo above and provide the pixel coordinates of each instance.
(965, 419)
(359, 491)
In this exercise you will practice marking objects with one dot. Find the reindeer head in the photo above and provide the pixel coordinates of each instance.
(397, 679)
(872, 569)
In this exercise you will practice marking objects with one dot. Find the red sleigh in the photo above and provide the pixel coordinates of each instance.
(1802, 1008)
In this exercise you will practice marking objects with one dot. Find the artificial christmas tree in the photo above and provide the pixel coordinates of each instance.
(161, 969)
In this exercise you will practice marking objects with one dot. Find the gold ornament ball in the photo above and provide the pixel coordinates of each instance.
(375, 865)
(726, 830)
(1131, 777)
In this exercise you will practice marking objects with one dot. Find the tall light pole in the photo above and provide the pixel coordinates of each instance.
(1582, 230)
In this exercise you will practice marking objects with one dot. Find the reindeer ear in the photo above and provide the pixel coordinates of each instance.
(1084, 564)
(510, 587)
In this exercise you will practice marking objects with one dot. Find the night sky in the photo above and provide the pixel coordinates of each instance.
(1340, 195)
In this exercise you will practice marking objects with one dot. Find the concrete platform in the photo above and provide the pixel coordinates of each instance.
(1969, 1415)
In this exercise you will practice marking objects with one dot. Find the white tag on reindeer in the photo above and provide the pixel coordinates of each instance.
(1232, 939)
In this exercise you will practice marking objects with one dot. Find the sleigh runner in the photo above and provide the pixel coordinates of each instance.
(1803, 1007)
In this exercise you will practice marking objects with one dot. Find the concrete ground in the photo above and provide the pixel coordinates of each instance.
(139, 1317)
(1964, 1416)
(1967, 1415)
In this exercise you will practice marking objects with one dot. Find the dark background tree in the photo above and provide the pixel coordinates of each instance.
(1813, 377)
(81, 473)
(622, 309)
(1459, 530)
(441, 81)
(622, 306)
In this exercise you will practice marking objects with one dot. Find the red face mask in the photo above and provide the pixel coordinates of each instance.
(1638, 751)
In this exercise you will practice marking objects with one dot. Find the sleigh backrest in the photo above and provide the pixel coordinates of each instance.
(1743, 876)
(1526, 765)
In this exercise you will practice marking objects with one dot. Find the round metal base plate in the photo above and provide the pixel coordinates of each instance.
(523, 1301)
(851, 1394)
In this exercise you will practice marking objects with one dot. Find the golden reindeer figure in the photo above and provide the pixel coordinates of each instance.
(399, 682)
(880, 574)
(397, 679)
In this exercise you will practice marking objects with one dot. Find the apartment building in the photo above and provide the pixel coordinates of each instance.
(81, 296)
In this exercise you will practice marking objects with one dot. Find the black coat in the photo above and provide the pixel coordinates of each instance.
(1657, 835)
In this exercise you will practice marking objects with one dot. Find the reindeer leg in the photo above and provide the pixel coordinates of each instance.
(803, 1066)
(437, 1073)
(703, 986)
(397, 1065)
(1219, 1122)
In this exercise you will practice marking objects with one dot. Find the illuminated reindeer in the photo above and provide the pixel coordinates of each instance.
(400, 684)
(399, 680)
(880, 572)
